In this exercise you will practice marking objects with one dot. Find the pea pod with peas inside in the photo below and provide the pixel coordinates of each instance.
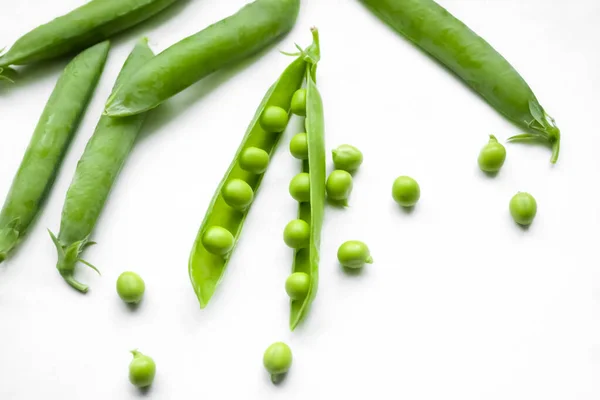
(47, 147)
(96, 172)
(232, 200)
(470, 57)
(233, 39)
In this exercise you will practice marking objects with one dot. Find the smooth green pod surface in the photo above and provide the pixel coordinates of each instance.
(91, 23)
(97, 170)
(230, 40)
(51, 138)
(470, 57)
(206, 269)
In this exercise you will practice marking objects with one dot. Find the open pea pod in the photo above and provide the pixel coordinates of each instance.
(206, 267)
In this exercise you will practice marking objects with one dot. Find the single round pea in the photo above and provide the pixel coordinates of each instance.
(339, 185)
(218, 240)
(347, 157)
(354, 254)
(299, 146)
(274, 119)
(406, 191)
(300, 187)
(142, 370)
(523, 208)
(237, 194)
(255, 160)
(299, 102)
(130, 287)
(277, 360)
(296, 234)
(297, 285)
(492, 156)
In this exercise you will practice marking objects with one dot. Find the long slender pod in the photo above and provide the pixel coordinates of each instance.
(306, 260)
(206, 268)
(237, 37)
(45, 152)
(99, 166)
(470, 57)
(89, 24)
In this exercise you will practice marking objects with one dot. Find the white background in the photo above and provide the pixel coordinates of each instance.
(460, 303)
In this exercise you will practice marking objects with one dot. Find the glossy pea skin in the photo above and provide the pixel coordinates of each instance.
(237, 194)
(406, 191)
(297, 285)
(274, 119)
(218, 240)
(339, 185)
(130, 287)
(492, 156)
(300, 187)
(277, 360)
(299, 146)
(142, 370)
(296, 234)
(255, 160)
(299, 102)
(347, 158)
(354, 254)
(523, 208)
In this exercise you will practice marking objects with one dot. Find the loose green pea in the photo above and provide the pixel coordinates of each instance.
(299, 102)
(297, 285)
(354, 254)
(347, 157)
(142, 370)
(297, 234)
(299, 146)
(218, 240)
(339, 185)
(406, 191)
(300, 187)
(523, 208)
(237, 194)
(130, 287)
(492, 156)
(274, 119)
(277, 360)
(254, 160)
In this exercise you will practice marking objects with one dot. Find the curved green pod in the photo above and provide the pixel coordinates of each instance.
(98, 168)
(51, 138)
(307, 259)
(206, 269)
(91, 23)
(223, 43)
(470, 57)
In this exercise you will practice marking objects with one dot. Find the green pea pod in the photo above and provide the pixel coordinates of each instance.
(228, 41)
(91, 23)
(307, 259)
(474, 60)
(205, 268)
(99, 166)
(53, 133)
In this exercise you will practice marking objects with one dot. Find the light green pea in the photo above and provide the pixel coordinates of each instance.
(130, 287)
(237, 194)
(300, 187)
(523, 208)
(274, 119)
(299, 102)
(492, 156)
(218, 240)
(339, 185)
(299, 146)
(255, 160)
(277, 360)
(406, 191)
(354, 254)
(297, 234)
(142, 370)
(297, 285)
(347, 157)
